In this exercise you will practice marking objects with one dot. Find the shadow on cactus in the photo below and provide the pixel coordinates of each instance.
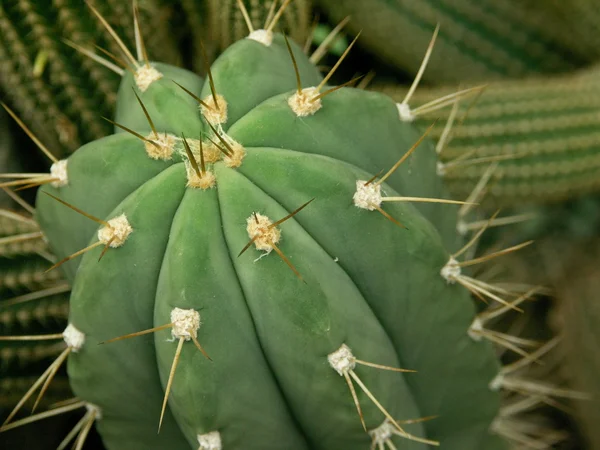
(249, 278)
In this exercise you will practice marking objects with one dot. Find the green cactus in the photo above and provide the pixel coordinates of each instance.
(259, 204)
(269, 333)
(277, 159)
(540, 128)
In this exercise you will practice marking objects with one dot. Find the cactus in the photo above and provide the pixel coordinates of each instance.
(480, 40)
(31, 302)
(245, 218)
(541, 131)
(257, 174)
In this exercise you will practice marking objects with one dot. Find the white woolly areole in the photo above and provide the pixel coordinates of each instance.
(185, 323)
(212, 114)
(265, 37)
(367, 196)
(497, 383)
(301, 102)
(257, 226)
(212, 154)
(58, 170)
(210, 441)
(342, 360)
(405, 113)
(164, 149)
(91, 408)
(475, 329)
(204, 181)
(451, 271)
(235, 160)
(145, 76)
(440, 169)
(73, 338)
(382, 433)
(116, 233)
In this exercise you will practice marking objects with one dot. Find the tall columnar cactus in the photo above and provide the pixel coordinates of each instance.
(251, 278)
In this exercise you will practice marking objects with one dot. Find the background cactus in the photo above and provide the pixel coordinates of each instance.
(541, 128)
(479, 40)
(24, 306)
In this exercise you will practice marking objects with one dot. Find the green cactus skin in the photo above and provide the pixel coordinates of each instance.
(546, 128)
(368, 283)
(480, 40)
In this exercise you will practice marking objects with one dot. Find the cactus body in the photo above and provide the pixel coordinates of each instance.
(273, 382)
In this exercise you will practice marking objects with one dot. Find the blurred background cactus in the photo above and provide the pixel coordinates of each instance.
(538, 117)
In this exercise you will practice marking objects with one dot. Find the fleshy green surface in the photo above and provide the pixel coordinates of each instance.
(368, 283)
(117, 299)
(120, 158)
(172, 110)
